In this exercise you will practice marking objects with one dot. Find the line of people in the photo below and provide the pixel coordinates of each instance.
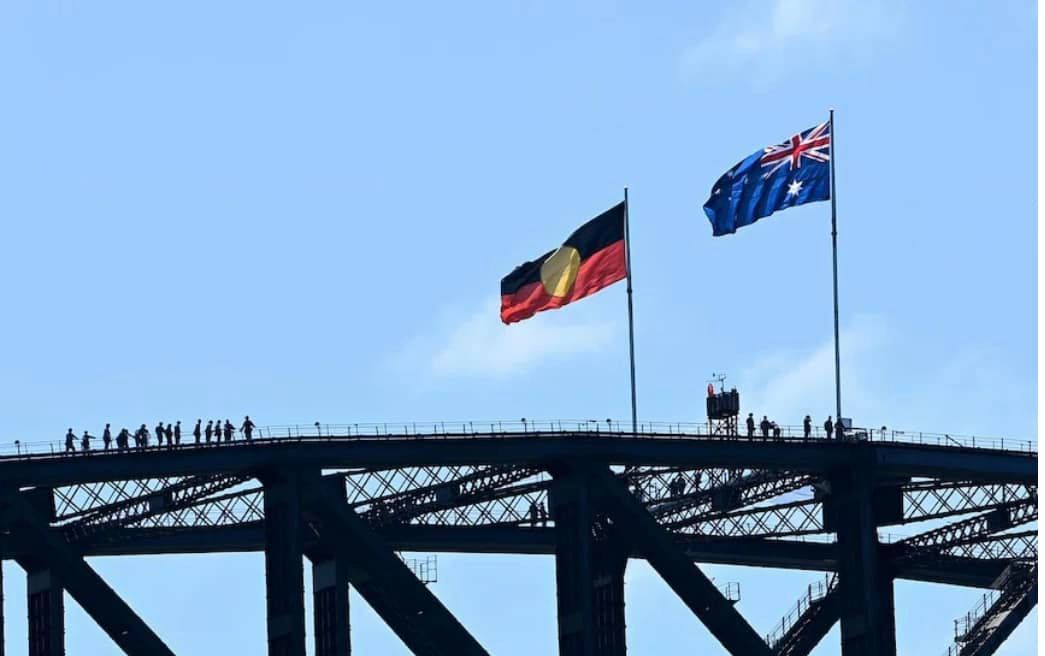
(766, 427)
(214, 431)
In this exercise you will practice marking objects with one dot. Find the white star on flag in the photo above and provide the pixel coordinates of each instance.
(794, 188)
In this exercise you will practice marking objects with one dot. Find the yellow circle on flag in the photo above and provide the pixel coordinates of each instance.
(560, 270)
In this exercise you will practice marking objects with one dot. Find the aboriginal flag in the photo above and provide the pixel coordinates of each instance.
(591, 258)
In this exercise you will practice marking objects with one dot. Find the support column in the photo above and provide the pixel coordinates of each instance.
(632, 520)
(424, 624)
(608, 602)
(284, 567)
(865, 580)
(589, 575)
(332, 629)
(46, 603)
(52, 565)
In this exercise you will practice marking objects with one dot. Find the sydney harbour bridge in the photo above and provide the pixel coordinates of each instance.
(349, 499)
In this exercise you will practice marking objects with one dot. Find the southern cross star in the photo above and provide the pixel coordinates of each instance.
(794, 188)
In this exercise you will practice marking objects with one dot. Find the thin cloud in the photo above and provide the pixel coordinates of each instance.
(481, 346)
(788, 385)
(788, 36)
(947, 397)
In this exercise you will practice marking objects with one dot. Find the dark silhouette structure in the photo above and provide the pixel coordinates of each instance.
(348, 498)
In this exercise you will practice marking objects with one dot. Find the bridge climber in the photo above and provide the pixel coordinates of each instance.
(172, 433)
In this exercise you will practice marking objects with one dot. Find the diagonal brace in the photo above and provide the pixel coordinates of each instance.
(383, 579)
(94, 595)
(678, 571)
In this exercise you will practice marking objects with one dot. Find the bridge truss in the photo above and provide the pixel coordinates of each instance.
(349, 504)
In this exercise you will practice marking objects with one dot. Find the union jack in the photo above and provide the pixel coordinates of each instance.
(814, 144)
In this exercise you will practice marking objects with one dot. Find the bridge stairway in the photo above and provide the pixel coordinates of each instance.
(986, 627)
(808, 621)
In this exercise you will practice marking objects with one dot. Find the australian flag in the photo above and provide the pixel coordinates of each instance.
(795, 172)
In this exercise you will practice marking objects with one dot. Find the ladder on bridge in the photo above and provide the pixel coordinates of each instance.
(801, 628)
(980, 631)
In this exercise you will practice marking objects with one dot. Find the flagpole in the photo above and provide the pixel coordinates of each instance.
(631, 316)
(834, 254)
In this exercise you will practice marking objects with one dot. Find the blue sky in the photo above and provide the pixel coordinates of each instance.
(302, 213)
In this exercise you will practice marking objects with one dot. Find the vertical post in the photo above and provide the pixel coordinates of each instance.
(330, 607)
(589, 576)
(834, 258)
(46, 604)
(631, 316)
(865, 580)
(284, 567)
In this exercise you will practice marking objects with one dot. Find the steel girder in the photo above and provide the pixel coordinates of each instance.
(381, 577)
(79, 499)
(45, 603)
(493, 496)
(807, 624)
(728, 494)
(981, 632)
(819, 615)
(284, 564)
(105, 607)
(890, 460)
(691, 585)
(936, 499)
(865, 577)
(1001, 518)
(330, 603)
(499, 496)
(589, 573)
(245, 507)
(167, 501)
(1021, 545)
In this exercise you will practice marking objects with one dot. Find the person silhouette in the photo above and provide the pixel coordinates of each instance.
(106, 437)
(70, 441)
(829, 427)
(177, 432)
(248, 427)
(210, 430)
(85, 443)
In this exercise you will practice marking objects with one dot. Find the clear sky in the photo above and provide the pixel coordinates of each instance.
(302, 212)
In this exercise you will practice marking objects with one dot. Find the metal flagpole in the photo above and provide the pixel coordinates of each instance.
(834, 255)
(631, 317)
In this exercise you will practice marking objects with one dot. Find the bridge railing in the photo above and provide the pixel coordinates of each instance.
(525, 427)
(622, 428)
(963, 625)
(814, 593)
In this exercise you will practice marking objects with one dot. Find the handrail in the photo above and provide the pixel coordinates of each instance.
(525, 428)
(814, 593)
(965, 625)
